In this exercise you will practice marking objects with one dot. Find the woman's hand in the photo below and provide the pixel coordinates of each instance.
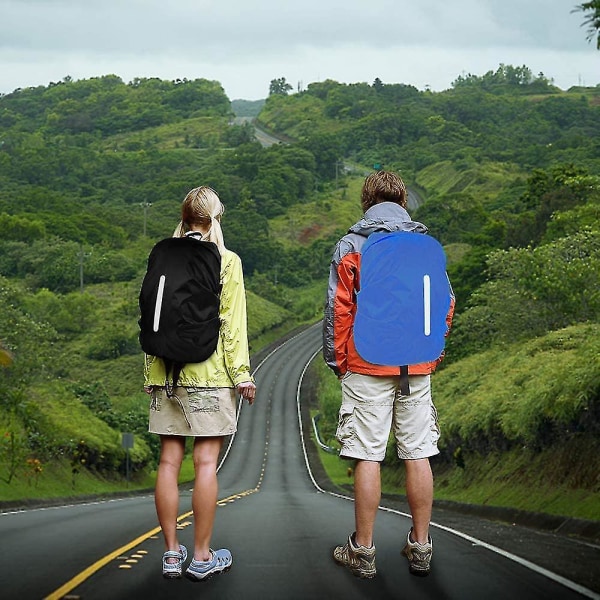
(247, 390)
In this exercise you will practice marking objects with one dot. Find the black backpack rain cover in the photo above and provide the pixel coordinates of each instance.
(179, 301)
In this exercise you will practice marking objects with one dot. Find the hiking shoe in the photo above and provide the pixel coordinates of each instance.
(172, 570)
(201, 570)
(419, 556)
(359, 559)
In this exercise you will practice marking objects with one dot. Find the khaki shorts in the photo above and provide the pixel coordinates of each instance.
(193, 411)
(372, 405)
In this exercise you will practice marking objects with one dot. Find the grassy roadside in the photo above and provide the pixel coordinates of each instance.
(503, 489)
(483, 464)
(57, 479)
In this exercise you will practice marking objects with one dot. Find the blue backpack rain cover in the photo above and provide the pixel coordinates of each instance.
(403, 300)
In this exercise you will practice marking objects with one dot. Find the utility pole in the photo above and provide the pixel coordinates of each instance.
(81, 255)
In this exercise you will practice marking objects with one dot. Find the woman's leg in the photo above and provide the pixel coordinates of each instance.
(166, 495)
(204, 496)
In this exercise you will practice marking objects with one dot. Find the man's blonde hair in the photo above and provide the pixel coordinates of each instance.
(383, 186)
(202, 206)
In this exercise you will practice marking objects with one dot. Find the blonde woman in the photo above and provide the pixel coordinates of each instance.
(203, 405)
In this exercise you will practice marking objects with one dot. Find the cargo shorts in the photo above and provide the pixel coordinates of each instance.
(373, 406)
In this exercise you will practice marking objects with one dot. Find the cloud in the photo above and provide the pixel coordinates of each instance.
(248, 43)
(134, 26)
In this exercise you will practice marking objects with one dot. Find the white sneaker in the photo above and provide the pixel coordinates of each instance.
(419, 556)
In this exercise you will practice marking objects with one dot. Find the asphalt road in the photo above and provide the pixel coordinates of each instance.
(264, 138)
(275, 518)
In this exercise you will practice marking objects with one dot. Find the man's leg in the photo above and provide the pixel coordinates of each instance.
(204, 496)
(419, 491)
(417, 432)
(166, 495)
(364, 425)
(367, 496)
(358, 553)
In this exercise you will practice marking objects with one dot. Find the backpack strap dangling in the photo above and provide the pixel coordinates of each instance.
(404, 386)
(173, 369)
(168, 387)
(177, 367)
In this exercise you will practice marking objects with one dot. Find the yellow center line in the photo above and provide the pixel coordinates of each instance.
(89, 571)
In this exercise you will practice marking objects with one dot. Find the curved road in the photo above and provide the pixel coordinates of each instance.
(279, 525)
(266, 140)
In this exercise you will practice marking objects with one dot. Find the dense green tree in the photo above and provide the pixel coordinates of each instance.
(454, 217)
(531, 291)
(327, 151)
(279, 87)
(237, 135)
(378, 85)
(560, 188)
(569, 222)
(27, 341)
(591, 12)
(70, 313)
(321, 89)
(505, 78)
(246, 231)
(350, 102)
(20, 228)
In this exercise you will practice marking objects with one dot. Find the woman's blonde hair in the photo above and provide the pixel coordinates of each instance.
(203, 207)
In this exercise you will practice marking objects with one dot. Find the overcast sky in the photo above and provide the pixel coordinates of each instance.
(244, 44)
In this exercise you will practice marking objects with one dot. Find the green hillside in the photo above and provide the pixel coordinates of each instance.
(507, 169)
(519, 426)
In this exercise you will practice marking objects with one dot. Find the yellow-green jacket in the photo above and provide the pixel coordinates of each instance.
(230, 362)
